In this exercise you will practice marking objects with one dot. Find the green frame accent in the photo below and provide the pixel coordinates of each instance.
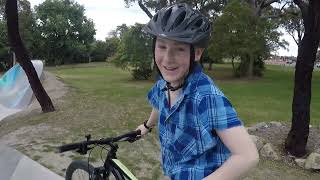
(124, 169)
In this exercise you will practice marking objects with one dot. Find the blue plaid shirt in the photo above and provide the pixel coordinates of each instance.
(190, 148)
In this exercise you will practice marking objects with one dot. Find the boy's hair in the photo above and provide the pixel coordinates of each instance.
(181, 23)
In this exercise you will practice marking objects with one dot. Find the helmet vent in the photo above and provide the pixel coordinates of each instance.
(179, 19)
(166, 17)
(199, 23)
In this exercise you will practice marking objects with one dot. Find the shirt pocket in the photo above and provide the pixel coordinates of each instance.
(183, 143)
(208, 140)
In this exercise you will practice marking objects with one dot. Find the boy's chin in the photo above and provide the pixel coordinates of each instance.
(171, 81)
(168, 79)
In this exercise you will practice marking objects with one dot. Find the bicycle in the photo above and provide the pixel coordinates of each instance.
(112, 168)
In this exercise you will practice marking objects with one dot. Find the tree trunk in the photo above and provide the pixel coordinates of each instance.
(23, 57)
(233, 67)
(210, 65)
(250, 68)
(145, 9)
(298, 136)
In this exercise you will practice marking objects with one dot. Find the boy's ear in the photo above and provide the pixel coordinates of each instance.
(198, 53)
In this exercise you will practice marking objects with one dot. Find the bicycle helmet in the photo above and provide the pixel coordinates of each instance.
(181, 23)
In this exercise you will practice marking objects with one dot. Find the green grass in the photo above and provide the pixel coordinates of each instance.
(264, 99)
(261, 99)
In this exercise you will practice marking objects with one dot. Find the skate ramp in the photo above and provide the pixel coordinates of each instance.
(15, 90)
(16, 166)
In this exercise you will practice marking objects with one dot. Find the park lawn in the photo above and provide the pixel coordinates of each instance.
(104, 100)
(260, 99)
(268, 98)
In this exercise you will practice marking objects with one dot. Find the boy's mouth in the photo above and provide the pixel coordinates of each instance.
(170, 68)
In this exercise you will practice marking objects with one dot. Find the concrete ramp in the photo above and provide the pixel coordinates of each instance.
(15, 90)
(16, 166)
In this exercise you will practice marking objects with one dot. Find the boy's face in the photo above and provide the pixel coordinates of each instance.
(172, 59)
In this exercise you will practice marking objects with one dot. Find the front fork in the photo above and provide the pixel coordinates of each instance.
(107, 164)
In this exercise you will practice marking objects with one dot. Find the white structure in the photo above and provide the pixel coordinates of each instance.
(15, 90)
(16, 166)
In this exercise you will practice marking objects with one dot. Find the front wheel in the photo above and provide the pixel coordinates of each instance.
(81, 170)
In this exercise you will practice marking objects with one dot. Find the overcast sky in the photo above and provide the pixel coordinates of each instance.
(108, 14)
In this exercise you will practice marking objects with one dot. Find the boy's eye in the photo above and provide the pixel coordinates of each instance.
(181, 49)
(161, 47)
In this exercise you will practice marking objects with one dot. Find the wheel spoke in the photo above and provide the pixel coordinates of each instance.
(80, 174)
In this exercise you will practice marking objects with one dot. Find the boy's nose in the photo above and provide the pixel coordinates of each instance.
(168, 56)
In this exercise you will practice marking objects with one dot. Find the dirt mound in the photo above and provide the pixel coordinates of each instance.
(276, 133)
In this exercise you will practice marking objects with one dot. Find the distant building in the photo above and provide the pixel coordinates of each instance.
(281, 60)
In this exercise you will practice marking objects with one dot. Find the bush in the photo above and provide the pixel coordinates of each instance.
(141, 73)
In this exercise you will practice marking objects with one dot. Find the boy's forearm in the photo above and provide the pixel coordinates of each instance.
(153, 118)
(235, 167)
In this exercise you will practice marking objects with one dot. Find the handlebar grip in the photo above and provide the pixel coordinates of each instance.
(128, 136)
(68, 147)
(133, 134)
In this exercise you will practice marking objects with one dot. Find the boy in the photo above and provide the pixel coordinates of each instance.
(200, 134)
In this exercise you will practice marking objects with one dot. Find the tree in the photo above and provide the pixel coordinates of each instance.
(26, 28)
(263, 11)
(99, 51)
(297, 138)
(4, 49)
(208, 7)
(120, 30)
(65, 32)
(292, 22)
(104, 49)
(238, 33)
(133, 54)
(23, 58)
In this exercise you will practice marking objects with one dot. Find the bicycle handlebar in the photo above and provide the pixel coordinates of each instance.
(130, 136)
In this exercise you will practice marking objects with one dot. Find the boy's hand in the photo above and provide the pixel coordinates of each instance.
(143, 130)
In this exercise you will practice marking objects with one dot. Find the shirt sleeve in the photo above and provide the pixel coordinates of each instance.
(153, 96)
(216, 112)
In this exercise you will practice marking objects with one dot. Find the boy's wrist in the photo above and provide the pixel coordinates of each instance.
(146, 126)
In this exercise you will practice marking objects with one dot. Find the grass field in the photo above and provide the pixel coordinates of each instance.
(104, 100)
(262, 99)
(268, 98)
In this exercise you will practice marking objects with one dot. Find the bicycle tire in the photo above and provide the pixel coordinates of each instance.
(84, 167)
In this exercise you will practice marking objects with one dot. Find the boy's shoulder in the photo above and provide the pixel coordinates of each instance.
(204, 86)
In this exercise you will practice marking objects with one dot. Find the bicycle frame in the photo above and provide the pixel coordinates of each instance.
(111, 160)
(124, 169)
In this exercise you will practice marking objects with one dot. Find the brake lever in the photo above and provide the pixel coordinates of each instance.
(83, 150)
(131, 140)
